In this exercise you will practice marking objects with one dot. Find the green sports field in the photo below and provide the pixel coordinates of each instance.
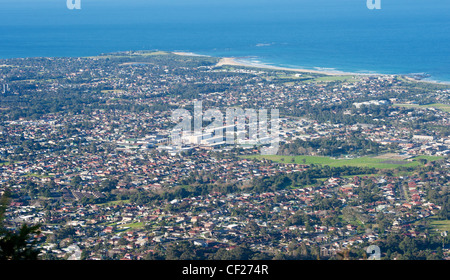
(439, 106)
(371, 162)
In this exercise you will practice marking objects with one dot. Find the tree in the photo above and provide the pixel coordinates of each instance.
(16, 245)
(343, 255)
(183, 250)
(253, 227)
(423, 161)
(76, 181)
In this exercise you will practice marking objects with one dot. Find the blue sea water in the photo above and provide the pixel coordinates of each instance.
(403, 37)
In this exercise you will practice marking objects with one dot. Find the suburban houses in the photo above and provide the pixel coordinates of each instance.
(360, 160)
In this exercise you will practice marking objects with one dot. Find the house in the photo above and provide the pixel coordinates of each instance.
(108, 230)
(201, 242)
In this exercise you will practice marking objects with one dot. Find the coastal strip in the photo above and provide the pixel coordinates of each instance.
(235, 62)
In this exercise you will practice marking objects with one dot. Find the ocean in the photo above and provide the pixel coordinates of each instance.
(403, 37)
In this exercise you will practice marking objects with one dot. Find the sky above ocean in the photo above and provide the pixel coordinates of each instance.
(403, 37)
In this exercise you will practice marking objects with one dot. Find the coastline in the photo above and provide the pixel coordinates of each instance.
(187, 53)
(243, 62)
(232, 61)
(411, 79)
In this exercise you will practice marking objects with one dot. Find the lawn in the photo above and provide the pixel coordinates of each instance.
(37, 175)
(153, 53)
(134, 54)
(429, 158)
(115, 202)
(341, 78)
(439, 106)
(367, 161)
(132, 225)
(440, 225)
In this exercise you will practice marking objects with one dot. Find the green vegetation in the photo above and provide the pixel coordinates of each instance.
(440, 225)
(439, 106)
(334, 78)
(370, 162)
(330, 146)
(185, 250)
(308, 177)
(42, 176)
(115, 202)
(16, 244)
(132, 225)
(153, 53)
(402, 247)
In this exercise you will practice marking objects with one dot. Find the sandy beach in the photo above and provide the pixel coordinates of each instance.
(236, 62)
(233, 61)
